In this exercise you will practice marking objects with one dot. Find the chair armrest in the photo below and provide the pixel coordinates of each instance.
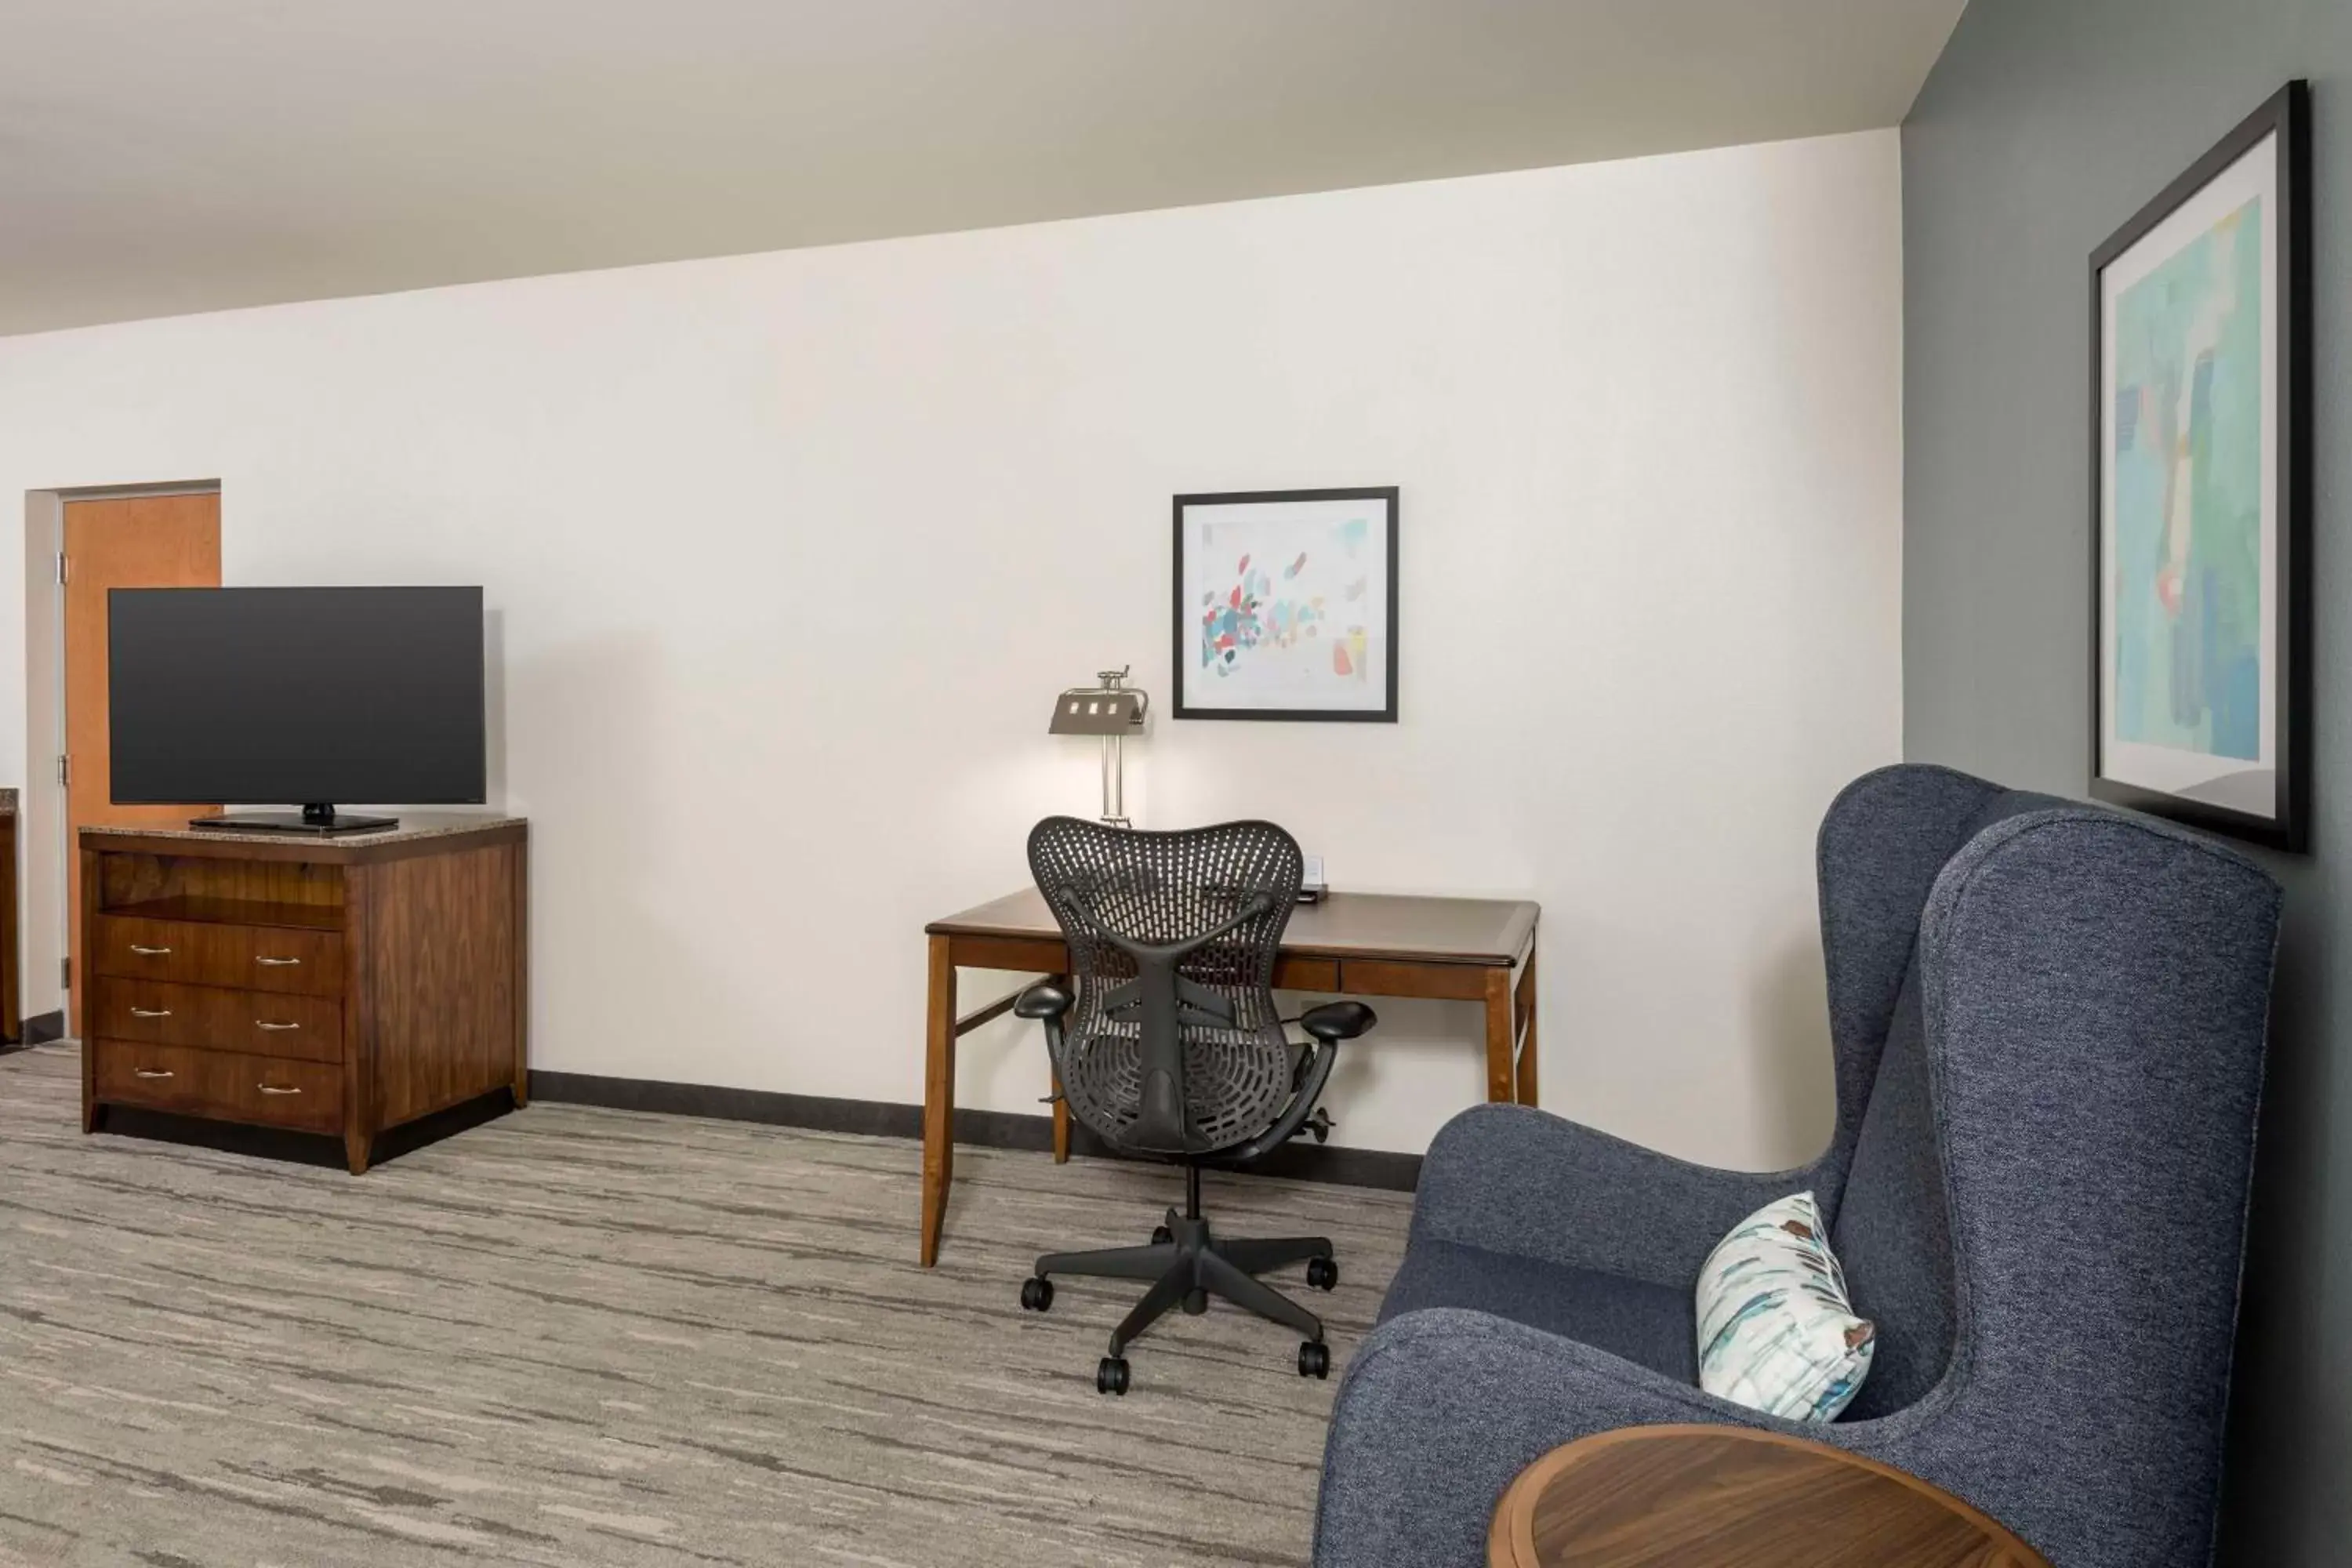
(1441, 1409)
(1512, 1178)
(1048, 999)
(1338, 1020)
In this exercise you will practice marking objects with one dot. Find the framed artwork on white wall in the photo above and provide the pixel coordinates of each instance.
(1286, 605)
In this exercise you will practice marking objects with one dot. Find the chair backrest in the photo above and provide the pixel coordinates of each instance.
(2044, 1209)
(1174, 1045)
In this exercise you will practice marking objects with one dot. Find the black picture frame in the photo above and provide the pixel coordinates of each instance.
(1183, 621)
(2287, 117)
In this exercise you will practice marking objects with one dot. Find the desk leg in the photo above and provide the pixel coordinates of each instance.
(938, 1096)
(1500, 1035)
(1527, 1013)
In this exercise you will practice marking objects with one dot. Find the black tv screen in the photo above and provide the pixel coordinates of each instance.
(277, 696)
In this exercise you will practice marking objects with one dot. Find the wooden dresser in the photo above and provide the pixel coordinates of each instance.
(336, 985)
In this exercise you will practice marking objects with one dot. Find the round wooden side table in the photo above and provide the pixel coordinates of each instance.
(1721, 1497)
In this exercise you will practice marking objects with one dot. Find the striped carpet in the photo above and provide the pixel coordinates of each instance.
(576, 1336)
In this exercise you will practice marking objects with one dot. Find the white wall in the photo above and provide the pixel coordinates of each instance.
(787, 553)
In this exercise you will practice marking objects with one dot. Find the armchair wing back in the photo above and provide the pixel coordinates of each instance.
(2048, 1022)
(2092, 1017)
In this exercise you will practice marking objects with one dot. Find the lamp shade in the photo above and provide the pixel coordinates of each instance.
(1098, 712)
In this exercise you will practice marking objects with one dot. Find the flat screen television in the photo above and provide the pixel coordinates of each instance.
(295, 696)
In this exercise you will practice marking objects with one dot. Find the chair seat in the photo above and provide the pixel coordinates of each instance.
(1654, 1326)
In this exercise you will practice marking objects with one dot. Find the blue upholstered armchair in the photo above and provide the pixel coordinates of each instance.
(2048, 1021)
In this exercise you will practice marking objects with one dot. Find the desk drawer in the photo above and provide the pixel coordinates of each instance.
(250, 958)
(227, 1086)
(205, 1017)
(1438, 982)
(1306, 973)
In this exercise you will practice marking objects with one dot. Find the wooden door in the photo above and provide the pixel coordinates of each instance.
(134, 541)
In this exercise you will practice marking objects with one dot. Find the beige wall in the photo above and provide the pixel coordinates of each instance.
(786, 554)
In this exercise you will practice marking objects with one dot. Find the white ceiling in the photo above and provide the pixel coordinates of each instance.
(163, 156)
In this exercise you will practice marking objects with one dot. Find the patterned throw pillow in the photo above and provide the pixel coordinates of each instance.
(1776, 1332)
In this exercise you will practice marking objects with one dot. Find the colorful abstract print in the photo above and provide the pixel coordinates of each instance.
(2188, 496)
(1259, 613)
(1776, 1329)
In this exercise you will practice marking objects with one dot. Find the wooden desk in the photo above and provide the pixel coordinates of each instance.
(1724, 1496)
(1351, 944)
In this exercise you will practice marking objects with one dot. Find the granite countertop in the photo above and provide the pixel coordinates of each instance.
(413, 825)
(7, 803)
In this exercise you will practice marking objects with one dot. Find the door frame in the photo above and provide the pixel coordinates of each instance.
(44, 835)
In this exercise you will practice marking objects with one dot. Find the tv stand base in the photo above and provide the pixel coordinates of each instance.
(317, 821)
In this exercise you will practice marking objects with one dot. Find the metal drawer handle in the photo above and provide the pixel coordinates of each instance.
(150, 952)
(271, 962)
(274, 1089)
(150, 1012)
(265, 1024)
(148, 1072)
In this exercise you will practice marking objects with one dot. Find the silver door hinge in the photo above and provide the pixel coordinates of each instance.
(65, 770)
(61, 568)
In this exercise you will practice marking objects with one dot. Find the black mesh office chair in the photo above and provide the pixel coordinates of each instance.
(1171, 1046)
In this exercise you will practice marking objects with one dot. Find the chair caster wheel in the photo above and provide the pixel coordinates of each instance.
(1110, 1377)
(1037, 1295)
(1314, 1359)
(1195, 1303)
(1161, 1236)
(1322, 1273)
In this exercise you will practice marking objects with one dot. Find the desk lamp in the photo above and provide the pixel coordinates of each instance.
(1113, 711)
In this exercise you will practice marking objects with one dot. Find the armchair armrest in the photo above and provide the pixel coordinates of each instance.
(1441, 1409)
(1512, 1178)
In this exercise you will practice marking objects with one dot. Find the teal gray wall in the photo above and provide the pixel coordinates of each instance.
(2044, 126)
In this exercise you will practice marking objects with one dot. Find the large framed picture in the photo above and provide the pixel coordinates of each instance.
(2200, 430)
(1286, 605)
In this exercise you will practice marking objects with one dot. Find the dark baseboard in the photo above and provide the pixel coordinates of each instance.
(873, 1116)
(1300, 1159)
(41, 1028)
(300, 1148)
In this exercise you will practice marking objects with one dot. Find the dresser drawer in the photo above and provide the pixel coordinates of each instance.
(205, 1017)
(227, 1086)
(250, 958)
